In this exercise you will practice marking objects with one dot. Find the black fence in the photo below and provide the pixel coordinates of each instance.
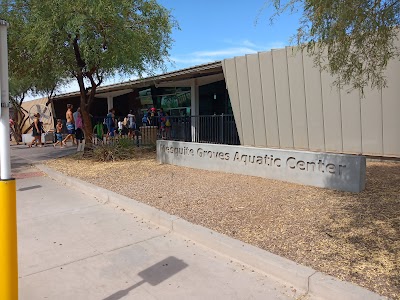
(214, 129)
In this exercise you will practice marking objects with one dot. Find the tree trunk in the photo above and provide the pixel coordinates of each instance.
(86, 100)
(17, 126)
(19, 122)
(87, 121)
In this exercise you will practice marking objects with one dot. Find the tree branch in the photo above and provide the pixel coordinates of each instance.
(79, 61)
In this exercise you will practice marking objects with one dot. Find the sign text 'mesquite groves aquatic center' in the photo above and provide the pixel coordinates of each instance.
(343, 172)
(269, 160)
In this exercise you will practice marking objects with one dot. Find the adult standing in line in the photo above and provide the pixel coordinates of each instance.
(78, 126)
(37, 130)
(70, 125)
(161, 123)
(75, 115)
(110, 121)
(131, 123)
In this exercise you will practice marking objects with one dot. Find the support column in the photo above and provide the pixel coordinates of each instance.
(195, 121)
(110, 102)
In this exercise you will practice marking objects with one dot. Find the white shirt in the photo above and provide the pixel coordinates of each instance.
(120, 125)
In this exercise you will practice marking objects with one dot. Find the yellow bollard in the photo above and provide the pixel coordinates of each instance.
(8, 241)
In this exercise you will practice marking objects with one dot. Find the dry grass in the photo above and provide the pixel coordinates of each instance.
(354, 237)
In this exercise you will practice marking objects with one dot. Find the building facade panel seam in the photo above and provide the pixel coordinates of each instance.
(276, 100)
(262, 99)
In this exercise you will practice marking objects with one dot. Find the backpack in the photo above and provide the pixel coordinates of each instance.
(109, 120)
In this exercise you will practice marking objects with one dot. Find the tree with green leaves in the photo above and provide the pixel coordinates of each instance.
(18, 90)
(26, 80)
(53, 41)
(352, 39)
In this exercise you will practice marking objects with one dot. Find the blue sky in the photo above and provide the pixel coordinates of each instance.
(216, 29)
(212, 30)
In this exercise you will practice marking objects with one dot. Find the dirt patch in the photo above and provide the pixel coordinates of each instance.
(354, 237)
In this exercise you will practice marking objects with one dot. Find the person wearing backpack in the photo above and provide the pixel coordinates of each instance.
(145, 120)
(110, 122)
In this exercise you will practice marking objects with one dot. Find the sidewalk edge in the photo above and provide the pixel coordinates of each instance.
(299, 276)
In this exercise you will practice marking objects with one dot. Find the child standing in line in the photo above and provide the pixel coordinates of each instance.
(120, 127)
(145, 120)
(99, 130)
(59, 134)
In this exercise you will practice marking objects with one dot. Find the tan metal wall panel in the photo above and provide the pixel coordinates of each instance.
(229, 69)
(351, 120)
(371, 122)
(283, 98)
(391, 110)
(257, 105)
(297, 98)
(315, 118)
(283, 101)
(332, 114)
(269, 99)
(245, 101)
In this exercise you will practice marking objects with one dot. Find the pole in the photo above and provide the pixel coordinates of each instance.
(8, 211)
(5, 106)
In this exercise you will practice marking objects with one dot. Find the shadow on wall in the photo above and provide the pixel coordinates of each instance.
(154, 275)
(164, 156)
(366, 228)
(343, 172)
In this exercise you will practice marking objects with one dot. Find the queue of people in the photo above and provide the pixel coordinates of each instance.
(116, 126)
(74, 127)
(128, 126)
(110, 127)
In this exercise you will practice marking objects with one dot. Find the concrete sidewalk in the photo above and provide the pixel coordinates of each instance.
(72, 246)
(22, 157)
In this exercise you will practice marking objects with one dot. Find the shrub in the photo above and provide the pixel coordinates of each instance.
(120, 149)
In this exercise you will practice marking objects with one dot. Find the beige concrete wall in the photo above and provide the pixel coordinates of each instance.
(27, 105)
(281, 100)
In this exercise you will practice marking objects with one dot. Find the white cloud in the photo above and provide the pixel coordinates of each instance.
(252, 45)
(247, 43)
(188, 59)
(234, 48)
(225, 53)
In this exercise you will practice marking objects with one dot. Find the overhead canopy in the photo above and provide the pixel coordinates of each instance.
(206, 73)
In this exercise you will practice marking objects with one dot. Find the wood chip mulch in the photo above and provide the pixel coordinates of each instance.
(354, 237)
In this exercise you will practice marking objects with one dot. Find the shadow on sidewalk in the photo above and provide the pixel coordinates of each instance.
(154, 275)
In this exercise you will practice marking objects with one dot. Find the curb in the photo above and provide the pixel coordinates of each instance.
(304, 278)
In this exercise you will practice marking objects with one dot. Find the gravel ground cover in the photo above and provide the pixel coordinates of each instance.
(354, 237)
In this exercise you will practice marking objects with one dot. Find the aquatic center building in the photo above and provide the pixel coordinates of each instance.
(278, 100)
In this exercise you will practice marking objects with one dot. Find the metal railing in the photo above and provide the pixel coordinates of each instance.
(214, 129)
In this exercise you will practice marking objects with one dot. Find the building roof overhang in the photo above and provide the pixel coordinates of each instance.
(178, 78)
